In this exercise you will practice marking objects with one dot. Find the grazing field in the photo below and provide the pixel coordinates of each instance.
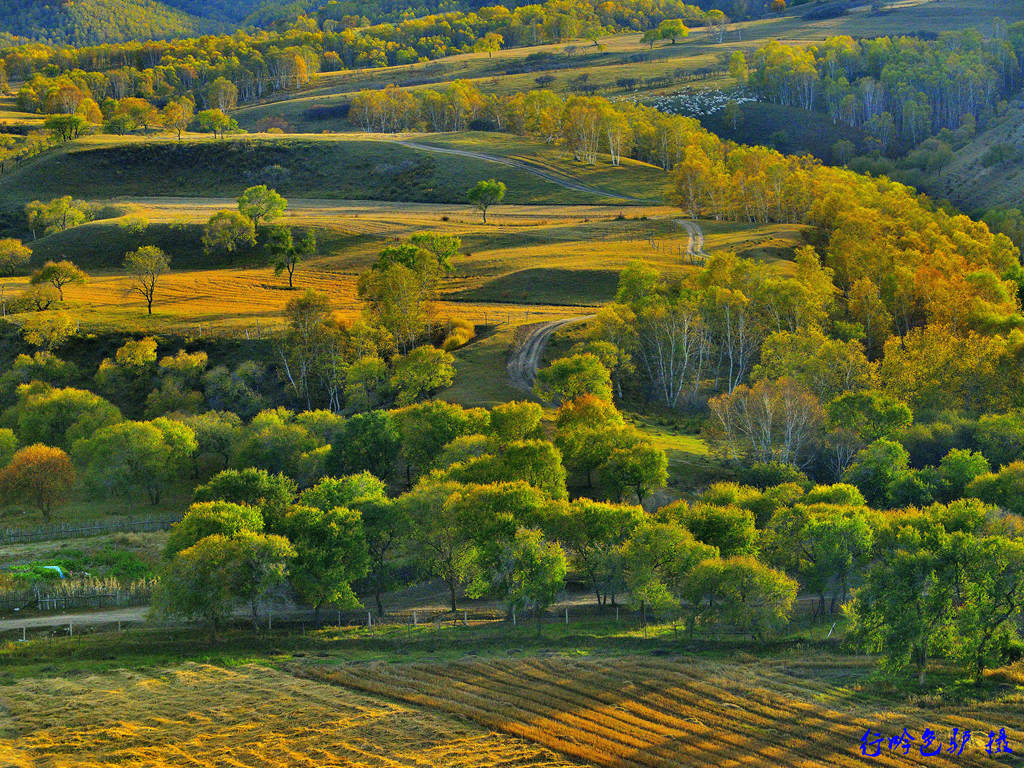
(200, 716)
(322, 105)
(346, 166)
(528, 264)
(635, 713)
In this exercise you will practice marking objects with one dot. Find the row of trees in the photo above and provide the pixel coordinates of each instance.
(896, 88)
(58, 80)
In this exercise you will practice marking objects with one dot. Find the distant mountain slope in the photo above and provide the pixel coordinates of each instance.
(975, 180)
(81, 22)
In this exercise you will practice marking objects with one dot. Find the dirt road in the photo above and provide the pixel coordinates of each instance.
(127, 615)
(525, 359)
(566, 182)
(695, 243)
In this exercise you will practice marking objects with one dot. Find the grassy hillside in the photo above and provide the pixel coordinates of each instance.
(85, 22)
(336, 167)
(976, 183)
(699, 61)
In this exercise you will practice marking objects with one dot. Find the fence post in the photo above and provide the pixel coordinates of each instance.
(369, 620)
(415, 619)
(23, 634)
(567, 616)
(513, 617)
(71, 630)
(465, 617)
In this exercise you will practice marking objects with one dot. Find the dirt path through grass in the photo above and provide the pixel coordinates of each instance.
(525, 359)
(566, 182)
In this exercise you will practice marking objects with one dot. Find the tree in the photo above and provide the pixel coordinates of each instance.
(444, 546)
(904, 608)
(145, 266)
(260, 563)
(569, 378)
(227, 231)
(531, 572)
(1004, 488)
(875, 468)
(672, 29)
(331, 552)
(515, 421)
(424, 370)
(740, 592)
(992, 601)
(261, 203)
(49, 330)
(368, 442)
(59, 416)
(58, 274)
(177, 115)
(641, 467)
(286, 254)
(386, 523)
(66, 127)
(730, 529)
(822, 544)
(485, 194)
(271, 494)
(135, 455)
(738, 67)
(8, 446)
(769, 421)
(398, 300)
(656, 558)
(592, 533)
(426, 428)
(216, 121)
(197, 584)
(39, 475)
(207, 518)
(14, 255)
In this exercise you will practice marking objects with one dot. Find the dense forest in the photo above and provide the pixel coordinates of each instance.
(95, 21)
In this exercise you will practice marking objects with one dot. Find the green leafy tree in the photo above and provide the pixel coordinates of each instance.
(286, 254)
(228, 231)
(730, 529)
(14, 255)
(424, 370)
(207, 518)
(592, 533)
(875, 468)
(485, 194)
(197, 584)
(531, 572)
(135, 455)
(145, 266)
(368, 442)
(261, 203)
(641, 468)
(387, 526)
(510, 422)
(260, 563)
(444, 546)
(822, 544)
(59, 417)
(739, 592)
(58, 274)
(904, 608)
(656, 559)
(673, 29)
(271, 494)
(569, 378)
(330, 553)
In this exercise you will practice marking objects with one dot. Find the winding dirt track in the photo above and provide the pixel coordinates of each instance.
(566, 182)
(525, 359)
(695, 243)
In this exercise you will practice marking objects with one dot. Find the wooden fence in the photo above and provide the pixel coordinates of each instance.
(80, 530)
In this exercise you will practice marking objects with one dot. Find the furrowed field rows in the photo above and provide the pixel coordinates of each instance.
(249, 717)
(634, 713)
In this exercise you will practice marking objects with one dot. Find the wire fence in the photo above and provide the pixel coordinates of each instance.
(81, 530)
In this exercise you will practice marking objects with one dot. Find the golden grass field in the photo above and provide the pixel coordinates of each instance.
(666, 713)
(794, 711)
(209, 717)
(529, 263)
